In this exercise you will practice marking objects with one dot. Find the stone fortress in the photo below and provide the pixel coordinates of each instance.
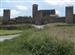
(40, 17)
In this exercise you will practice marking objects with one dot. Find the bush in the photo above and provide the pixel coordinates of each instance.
(48, 47)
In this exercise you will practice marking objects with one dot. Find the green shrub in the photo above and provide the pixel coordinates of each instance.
(48, 47)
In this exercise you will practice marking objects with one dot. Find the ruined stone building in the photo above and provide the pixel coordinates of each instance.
(69, 14)
(40, 17)
(6, 16)
(49, 16)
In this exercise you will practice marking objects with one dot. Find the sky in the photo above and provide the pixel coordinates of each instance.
(24, 7)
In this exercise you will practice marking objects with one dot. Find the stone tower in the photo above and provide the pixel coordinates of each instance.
(6, 16)
(35, 13)
(69, 14)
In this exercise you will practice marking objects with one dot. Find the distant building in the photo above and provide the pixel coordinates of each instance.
(35, 14)
(49, 16)
(40, 17)
(69, 14)
(6, 16)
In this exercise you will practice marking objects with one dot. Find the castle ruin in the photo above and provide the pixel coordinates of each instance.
(40, 17)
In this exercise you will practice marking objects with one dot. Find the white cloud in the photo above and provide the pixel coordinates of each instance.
(13, 0)
(60, 2)
(57, 12)
(20, 7)
(1, 12)
(14, 13)
(16, 1)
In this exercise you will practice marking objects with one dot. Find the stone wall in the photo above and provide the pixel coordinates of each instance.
(54, 19)
(22, 20)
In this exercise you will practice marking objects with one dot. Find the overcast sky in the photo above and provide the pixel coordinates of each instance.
(24, 7)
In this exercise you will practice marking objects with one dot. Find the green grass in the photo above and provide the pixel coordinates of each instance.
(52, 40)
(13, 29)
(9, 32)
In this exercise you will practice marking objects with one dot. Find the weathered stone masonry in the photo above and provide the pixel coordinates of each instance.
(6, 16)
(69, 15)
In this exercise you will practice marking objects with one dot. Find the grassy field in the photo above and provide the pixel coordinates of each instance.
(13, 29)
(54, 39)
(9, 32)
(62, 31)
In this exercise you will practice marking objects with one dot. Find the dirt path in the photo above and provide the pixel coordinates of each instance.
(8, 37)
